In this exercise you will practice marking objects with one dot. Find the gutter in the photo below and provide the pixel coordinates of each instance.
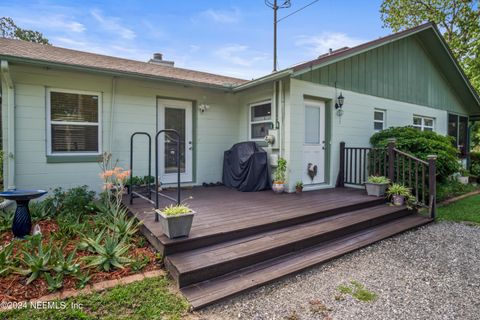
(8, 105)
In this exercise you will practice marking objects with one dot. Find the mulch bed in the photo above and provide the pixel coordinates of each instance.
(13, 288)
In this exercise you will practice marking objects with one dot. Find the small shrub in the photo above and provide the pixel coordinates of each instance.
(452, 188)
(75, 202)
(280, 172)
(378, 179)
(421, 144)
(6, 220)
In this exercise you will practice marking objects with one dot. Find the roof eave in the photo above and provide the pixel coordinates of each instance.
(109, 72)
(271, 77)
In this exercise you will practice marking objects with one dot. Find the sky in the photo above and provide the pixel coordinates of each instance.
(227, 37)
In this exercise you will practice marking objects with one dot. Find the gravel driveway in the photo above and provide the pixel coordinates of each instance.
(429, 273)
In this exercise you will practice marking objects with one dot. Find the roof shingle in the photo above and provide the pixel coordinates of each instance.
(52, 54)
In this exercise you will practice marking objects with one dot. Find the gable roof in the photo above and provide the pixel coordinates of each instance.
(40, 53)
(428, 33)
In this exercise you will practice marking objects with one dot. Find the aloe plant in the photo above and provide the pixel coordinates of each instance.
(54, 282)
(110, 254)
(6, 259)
(83, 278)
(65, 264)
(37, 259)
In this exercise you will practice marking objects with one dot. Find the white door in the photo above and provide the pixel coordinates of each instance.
(313, 170)
(175, 114)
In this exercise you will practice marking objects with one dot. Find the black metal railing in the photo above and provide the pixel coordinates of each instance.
(358, 163)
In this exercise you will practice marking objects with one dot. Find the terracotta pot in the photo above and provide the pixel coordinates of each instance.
(398, 200)
(278, 187)
(298, 189)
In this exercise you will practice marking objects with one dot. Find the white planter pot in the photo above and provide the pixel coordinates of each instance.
(376, 189)
(176, 226)
(463, 180)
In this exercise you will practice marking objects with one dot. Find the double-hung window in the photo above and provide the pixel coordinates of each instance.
(379, 120)
(73, 122)
(260, 120)
(423, 123)
(458, 129)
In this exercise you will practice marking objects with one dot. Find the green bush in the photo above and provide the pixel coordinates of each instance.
(421, 144)
(76, 201)
(475, 163)
(451, 188)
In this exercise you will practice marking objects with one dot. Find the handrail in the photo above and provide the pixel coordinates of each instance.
(177, 159)
(357, 163)
(410, 156)
(130, 190)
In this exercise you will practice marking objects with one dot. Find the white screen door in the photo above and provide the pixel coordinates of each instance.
(314, 143)
(175, 114)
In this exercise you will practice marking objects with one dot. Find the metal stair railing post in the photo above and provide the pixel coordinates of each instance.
(341, 170)
(130, 190)
(175, 132)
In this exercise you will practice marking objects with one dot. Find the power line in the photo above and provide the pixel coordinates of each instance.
(306, 6)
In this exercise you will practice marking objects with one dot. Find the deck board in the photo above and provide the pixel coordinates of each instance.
(221, 210)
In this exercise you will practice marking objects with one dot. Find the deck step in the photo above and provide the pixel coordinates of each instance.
(243, 229)
(207, 292)
(213, 261)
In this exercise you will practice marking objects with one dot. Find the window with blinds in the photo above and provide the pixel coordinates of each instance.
(73, 122)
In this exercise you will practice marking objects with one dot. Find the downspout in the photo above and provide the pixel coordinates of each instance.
(8, 109)
(112, 113)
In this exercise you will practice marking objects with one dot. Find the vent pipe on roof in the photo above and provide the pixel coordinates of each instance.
(158, 59)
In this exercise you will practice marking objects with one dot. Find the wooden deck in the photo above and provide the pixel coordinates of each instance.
(240, 241)
(221, 211)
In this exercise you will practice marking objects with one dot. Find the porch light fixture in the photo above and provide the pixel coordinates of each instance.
(340, 101)
(203, 107)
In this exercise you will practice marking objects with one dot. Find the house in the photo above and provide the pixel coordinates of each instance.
(62, 108)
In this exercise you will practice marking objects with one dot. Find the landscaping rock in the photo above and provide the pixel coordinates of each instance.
(428, 273)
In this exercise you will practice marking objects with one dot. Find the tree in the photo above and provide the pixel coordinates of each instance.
(458, 20)
(8, 29)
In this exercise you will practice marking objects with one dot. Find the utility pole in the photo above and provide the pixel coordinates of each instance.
(275, 7)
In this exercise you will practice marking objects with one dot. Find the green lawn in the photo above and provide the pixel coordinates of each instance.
(467, 209)
(147, 299)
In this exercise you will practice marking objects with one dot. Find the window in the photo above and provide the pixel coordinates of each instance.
(458, 129)
(379, 120)
(73, 122)
(260, 120)
(423, 123)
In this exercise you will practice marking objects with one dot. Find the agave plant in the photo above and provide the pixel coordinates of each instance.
(110, 254)
(123, 225)
(86, 243)
(37, 261)
(6, 257)
(83, 278)
(65, 264)
(6, 220)
(54, 282)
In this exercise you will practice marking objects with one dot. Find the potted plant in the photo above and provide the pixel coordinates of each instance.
(377, 185)
(400, 194)
(176, 220)
(278, 185)
(463, 176)
(299, 187)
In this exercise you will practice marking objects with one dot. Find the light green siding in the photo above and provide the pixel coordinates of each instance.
(134, 110)
(401, 70)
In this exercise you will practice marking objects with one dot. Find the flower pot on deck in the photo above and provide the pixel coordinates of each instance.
(278, 187)
(398, 200)
(376, 189)
(462, 180)
(176, 226)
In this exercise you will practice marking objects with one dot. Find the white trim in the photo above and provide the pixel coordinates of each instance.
(49, 122)
(422, 126)
(250, 122)
(383, 121)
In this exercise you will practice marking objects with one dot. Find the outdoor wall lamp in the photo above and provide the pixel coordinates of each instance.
(340, 101)
(203, 107)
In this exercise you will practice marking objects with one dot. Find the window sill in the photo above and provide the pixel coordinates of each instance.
(73, 158)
